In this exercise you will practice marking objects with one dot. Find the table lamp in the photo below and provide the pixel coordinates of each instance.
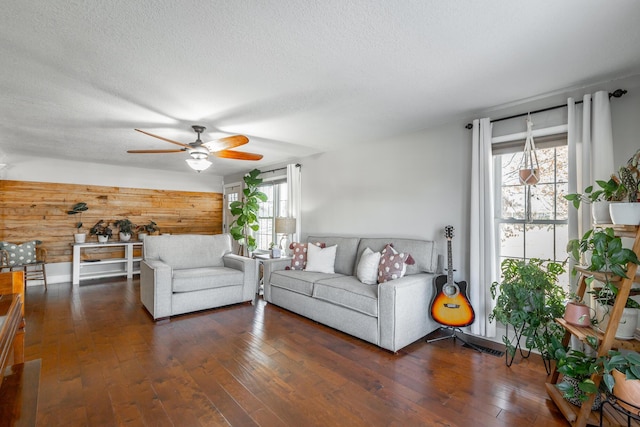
(285, 226)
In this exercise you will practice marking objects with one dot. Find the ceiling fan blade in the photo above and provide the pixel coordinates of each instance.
(155, 151)
(226, 143)
(164, 139)
(238, 155)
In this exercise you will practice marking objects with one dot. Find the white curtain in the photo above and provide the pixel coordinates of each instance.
(483, 264)
(590, 144)
(294, 197)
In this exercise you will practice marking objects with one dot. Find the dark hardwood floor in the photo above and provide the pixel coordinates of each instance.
(105, 363)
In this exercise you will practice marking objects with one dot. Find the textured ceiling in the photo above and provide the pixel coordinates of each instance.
(296, 76)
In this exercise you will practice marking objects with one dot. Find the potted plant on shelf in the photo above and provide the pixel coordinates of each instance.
(102, 230)
(528, 299)
(125, 228)
(621, 377)
(609, 258)
(628, 213)
(146, 229)
(245, 213)
(610, 191)
(78, 208)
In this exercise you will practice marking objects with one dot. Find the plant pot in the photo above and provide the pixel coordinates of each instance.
(576, 400)
(103, 239)
(627, 390)
(625, 213)
(600, 212)
(141, 236)
(627, 325)
(80, 237)
(577, 314)
(125, 237)
(529, 176)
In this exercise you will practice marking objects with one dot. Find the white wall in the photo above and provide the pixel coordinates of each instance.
(23, 168)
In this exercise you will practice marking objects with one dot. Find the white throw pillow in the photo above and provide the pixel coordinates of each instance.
(321, 260)
(367, 271)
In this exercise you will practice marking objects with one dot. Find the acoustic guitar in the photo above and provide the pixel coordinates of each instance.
(450, 305)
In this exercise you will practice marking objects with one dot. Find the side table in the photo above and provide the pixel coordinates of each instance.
(261, 259)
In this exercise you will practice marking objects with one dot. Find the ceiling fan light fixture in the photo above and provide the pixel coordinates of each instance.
(198, 164)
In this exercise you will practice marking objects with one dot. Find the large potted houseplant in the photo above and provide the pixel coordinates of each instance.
(76, 209)
(600, 199)
(125, 228)
(245, 212)
(622, 378)
(528, 299)
(102, 230)
(628, 213)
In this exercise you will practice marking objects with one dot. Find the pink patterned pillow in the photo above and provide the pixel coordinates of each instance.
(299, 261)
(393, 264)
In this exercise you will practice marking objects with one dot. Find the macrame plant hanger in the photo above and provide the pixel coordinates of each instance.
(529, 172)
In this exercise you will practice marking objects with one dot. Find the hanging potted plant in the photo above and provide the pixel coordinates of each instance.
(529, 172)
(628, 213)
(78, 208)
(102, 230)
(245, 213)
(125, 229)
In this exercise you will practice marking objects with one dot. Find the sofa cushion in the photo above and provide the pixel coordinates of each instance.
(345, 253)
(393, 264)
(367, 271)
(195, 279)
(321, 260)
(349, 292)
(422, 251)
(298, 281)
(299, 254)
(188, 250)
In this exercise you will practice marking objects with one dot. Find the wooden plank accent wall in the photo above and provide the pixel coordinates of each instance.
(38, 211)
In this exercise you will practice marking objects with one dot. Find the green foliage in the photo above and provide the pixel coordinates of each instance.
(149, 227)
(246, 210)
(577, 365)
(529, 299)
(78, 208)
(628, 363)
(609, 191)
(125, 226)
(101, 228)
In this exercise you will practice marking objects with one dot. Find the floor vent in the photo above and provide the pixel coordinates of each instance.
(491, 351)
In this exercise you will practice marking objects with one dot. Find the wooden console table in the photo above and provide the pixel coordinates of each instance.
(125, 266)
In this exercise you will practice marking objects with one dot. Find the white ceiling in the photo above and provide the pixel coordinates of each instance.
(296, 76)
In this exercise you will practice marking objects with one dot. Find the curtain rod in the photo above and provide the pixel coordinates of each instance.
(298, 165)
(616, 94)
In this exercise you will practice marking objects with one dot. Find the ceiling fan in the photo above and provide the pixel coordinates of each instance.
(200, 151)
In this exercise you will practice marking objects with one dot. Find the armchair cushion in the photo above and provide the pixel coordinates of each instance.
(21, 254)
(195, 279)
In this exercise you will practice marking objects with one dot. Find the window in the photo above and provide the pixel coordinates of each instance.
(532, 221)
(275, 206)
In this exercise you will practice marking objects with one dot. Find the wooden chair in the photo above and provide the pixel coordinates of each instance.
(35, 270)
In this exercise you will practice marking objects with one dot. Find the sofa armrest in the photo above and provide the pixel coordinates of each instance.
(248, 266)
(268, 267)
(403, 310)
(156, 287)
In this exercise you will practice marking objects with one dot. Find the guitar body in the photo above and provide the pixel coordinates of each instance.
(455, 310)
(450, 305)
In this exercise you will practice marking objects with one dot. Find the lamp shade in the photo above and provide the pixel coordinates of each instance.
(285, 225)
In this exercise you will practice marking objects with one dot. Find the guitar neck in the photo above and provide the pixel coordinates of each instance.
(449, 264)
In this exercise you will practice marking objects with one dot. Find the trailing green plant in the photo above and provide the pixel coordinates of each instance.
(628, 363)
(125, 226)
(610, 191)
(578, 365)
(529, 298)
(245, 212)
(607, 253)
(78, 208)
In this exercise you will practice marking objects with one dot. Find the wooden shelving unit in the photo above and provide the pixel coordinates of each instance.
(582, 416)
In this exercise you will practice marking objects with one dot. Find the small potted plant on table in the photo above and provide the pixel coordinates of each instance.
(146, 229)
(102, 230)
(125, 227)
(78, 208)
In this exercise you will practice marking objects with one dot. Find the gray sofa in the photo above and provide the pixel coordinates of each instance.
(391, 315)
(184, 273)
